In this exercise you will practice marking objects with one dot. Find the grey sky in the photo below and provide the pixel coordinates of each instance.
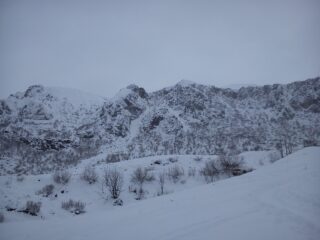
(102, 46)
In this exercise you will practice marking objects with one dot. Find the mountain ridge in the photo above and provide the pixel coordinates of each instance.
(187, 118)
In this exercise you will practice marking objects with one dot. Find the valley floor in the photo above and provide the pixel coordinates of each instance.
(278, 201)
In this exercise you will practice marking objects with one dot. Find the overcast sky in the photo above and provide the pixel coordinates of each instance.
(102, 46)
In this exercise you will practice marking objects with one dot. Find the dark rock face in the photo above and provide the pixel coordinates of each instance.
(34, 112)
(4, 108)
(140, 91)
(155, 122)
(33, 91)
(187, 118)
(118, 202)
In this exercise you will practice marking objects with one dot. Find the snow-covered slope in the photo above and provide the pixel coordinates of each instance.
(14, 193)
(50, 125)
(279, 201)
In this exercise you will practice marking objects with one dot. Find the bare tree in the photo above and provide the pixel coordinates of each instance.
(62, 177)
(139, 177)
(113, 180)
(191, 171)
(175, 172)
(161, 180)
(89, 175)
(311, 134)
(279, 147)
(210, 171)
(284, 137)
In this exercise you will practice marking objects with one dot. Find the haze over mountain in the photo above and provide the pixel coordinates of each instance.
(102, 46)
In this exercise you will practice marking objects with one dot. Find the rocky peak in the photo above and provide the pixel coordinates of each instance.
(138, 90)
(34, 90)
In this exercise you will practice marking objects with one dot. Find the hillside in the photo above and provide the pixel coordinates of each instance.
(279, 201)
(43, 129)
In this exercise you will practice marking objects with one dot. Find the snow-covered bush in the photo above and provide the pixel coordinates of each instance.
(20, 178)
(116, 157)
(72, 206)
(161, 181)
(197, 159)
(274, 156)
(89, 175)
(32, 208)
(210, 171)
(62, 177)
(139, 177)
(150, 168)
(113, 180)
(1, 217)
(261, 163)
(46, 191)
(191, 171)
(173, 159)
(231, 164)
(175, 173)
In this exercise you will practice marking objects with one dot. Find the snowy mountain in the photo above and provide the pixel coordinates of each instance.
(46, 128)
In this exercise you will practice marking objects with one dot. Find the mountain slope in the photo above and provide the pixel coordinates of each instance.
(280, 201)
(52, 127)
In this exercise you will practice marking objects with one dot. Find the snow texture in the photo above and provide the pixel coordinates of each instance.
(278, 201)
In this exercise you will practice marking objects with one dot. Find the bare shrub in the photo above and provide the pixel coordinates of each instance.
(140, 193)
(139, 177)
(150, 168)
(72, 206)
(61, 177)
(46, 191)
(175, 173)
(1, 217)
(261, 162)
(274, 156)
(173, 159)
(113, 180)
(161, 180)
(89, 175)
(32, 208)
(210, 171)
(20, 178)
(116, 157)
(231, 164)
(191, 171)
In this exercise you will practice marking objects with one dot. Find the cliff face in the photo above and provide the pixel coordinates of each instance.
(188, 118)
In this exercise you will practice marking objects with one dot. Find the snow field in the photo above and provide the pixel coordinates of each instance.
(277, 201)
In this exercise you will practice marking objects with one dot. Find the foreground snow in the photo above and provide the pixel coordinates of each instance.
(279, 201)
(15, 194)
